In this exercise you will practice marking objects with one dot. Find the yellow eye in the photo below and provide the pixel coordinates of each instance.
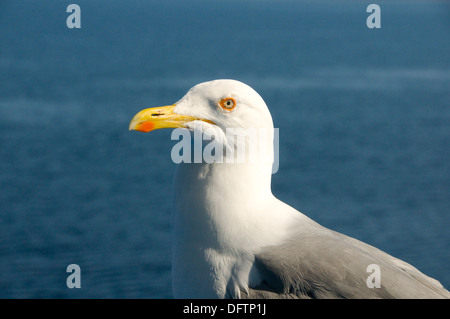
(228, 104)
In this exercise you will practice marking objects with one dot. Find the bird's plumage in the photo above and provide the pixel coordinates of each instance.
(233, 239)
(320, 263)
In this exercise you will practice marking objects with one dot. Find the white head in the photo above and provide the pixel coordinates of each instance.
(216, 108)
(227, 103)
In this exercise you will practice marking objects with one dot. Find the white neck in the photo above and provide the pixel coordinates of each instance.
(221, 212)
(215, 196)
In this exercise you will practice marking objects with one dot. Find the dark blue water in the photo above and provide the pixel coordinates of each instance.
(363, 116)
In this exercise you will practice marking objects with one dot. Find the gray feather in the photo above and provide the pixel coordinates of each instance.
(320, 263)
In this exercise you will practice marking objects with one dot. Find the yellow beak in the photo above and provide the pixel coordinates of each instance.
(160, 117)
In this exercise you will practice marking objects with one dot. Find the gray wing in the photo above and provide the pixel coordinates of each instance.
(322, 263)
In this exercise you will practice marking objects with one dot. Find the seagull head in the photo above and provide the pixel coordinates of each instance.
(227, 111)
(218, 104)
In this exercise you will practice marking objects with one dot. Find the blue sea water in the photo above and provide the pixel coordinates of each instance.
(363, 116)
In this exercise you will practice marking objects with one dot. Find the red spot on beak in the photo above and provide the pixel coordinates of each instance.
(145, 127)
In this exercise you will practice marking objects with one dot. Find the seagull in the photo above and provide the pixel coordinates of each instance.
(232, 238)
